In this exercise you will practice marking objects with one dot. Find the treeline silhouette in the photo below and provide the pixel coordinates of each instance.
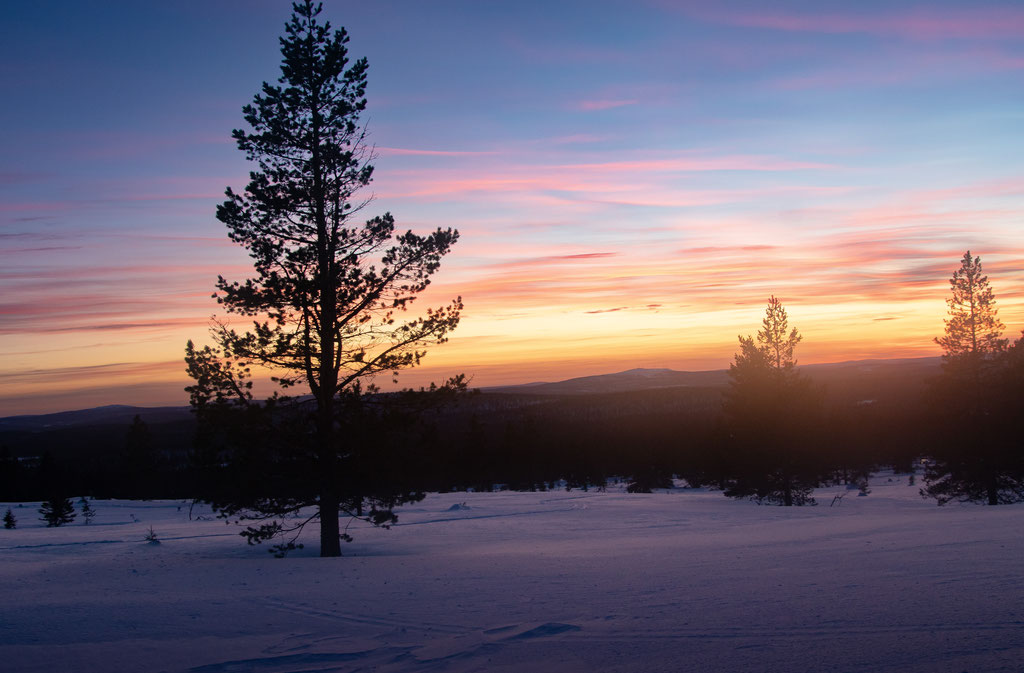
(487, 441)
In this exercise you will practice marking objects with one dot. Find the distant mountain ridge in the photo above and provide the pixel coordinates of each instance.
(648, 379)
(111, 414)
(858, 375)
(631, 379)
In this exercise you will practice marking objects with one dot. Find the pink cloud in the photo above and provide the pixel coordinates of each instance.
(401, 151)
(169, 197)
(889, 68)
(591, 186)
(36, 206)
(989, 189)
(923, 24)
(587, 255)
(607, 104)
(576, 139)
(561, 52)
(117, 369)
(697, 163)
(642, 179)
(726, 249)
(130, 144)
(555, 259)
(866, 255)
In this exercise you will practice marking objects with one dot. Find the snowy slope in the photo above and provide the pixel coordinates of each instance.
(679, 581)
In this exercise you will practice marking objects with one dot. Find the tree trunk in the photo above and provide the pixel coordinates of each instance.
(993, 492)
(330, 541)
(330, 538)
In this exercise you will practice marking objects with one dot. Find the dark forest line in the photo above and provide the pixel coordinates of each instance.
(875, 416)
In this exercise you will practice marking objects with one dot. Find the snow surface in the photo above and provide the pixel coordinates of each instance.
(674, 581)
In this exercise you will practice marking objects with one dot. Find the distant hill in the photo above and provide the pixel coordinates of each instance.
(857, 374)
(859, 379)
(96, 432)
(113, 414)
(633, 379)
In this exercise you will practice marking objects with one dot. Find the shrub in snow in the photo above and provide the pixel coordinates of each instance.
(151, 537)
(649, 478)
(9, 520)
(57, 512)
(281, 550)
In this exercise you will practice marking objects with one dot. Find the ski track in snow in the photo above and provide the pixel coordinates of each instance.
(548, 581)
(356, 618)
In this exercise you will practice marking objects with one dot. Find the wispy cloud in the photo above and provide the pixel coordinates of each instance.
(86, 371)
(726, 249)
(607, 104)
(630, 178)
(403, 151)
(576, 139)
(926, 23)
(696, 163)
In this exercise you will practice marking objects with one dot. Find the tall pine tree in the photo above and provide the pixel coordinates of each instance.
(328, 301)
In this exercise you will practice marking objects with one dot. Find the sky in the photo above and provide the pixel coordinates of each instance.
(631, 180)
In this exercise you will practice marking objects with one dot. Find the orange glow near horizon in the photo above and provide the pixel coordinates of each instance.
(509, 336)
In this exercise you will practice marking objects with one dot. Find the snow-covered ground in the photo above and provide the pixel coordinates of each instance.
(678, 581)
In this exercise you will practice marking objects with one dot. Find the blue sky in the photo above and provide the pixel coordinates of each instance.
(631, 180)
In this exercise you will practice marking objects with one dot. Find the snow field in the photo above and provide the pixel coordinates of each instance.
(686, 580)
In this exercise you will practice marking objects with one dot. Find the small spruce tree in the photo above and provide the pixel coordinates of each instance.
(151, 536)
(9, 520)
(57, 512)
(88, 513)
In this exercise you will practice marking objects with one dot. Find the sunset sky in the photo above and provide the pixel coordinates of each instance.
(631, 180)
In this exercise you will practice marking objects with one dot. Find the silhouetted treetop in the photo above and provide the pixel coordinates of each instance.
(973, 327)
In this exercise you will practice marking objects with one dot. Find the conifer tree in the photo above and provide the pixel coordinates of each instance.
(977, 454)
(770, 411)
(9, 521)
(88, 513)
(327, 303)
(57, 512)
(973, 329)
